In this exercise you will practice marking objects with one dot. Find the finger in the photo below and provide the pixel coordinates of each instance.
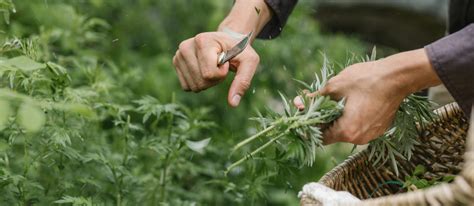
(298, 102)
(330, 135)
(329, 90)
(182, 81)
(345, 129)
(310, 94)
(191, 62)
(207, 56)
(224, 68)
(240, 84)
(185, 71)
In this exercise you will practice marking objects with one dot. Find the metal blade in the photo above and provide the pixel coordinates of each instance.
(237, 49)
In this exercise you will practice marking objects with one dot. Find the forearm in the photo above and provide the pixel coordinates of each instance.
(410, 71)
(247, 16)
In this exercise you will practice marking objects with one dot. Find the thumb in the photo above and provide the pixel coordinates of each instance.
(242, 80)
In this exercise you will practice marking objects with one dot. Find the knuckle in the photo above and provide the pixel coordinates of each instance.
(245, 84)
(175, 61)
(181, 46)
(202, 86)
(330, 86)
(327, 89)
(255, 58)
(349, 134)
(208, 75)
(184, 46)
(200, 40)
(332, 81)
(194, 89)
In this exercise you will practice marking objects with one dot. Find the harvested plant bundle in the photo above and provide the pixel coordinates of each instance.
(296, 135)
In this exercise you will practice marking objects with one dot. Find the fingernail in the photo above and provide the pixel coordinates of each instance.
(235, 100)
(298, 103)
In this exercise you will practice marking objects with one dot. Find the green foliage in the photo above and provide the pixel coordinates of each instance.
(418, 179)
(296, 135)
(91, 112)
(6, 6)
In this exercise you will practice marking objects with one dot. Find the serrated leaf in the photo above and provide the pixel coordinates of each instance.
(22, 63)
(198, 146)
(30, 117)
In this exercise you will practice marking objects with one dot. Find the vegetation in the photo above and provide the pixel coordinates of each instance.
(296, 135)
(419, 179)
(91, 112)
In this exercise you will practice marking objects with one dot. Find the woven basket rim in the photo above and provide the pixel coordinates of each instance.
(443, 114)
(458, 192)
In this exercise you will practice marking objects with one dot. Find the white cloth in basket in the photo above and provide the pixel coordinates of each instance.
(326, 195)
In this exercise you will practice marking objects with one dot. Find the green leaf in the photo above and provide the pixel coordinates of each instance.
(419, 170)
(77, 108)
(30, 117)
(448, 178)
(422, 183)
(22, 63)
(74, 201)
(198, 146)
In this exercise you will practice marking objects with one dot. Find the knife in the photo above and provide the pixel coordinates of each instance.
(231, 53)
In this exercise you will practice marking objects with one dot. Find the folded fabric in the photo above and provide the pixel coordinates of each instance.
(326, 195)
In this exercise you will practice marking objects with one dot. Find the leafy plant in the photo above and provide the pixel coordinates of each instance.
(418, 180)
(296, 135)
(79, 78)
(6, 6)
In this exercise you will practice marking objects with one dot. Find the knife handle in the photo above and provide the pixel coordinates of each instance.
(221, 60)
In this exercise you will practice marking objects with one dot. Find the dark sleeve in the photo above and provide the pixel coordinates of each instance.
(453, 60)
(281, 10)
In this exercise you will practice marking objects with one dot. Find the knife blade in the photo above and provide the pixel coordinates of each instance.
(234, 51)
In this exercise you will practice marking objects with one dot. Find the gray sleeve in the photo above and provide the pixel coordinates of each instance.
(281, 10)
(453, 60)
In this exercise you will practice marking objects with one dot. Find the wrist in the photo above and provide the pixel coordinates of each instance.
(410, 71)
(247, 16)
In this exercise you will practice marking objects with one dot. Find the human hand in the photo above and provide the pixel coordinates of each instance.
(373, 92)
(196, 64)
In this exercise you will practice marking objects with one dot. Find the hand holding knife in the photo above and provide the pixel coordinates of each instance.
(225, 56)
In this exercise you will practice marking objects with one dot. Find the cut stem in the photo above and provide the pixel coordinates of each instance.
(255, 136)
(235, 164)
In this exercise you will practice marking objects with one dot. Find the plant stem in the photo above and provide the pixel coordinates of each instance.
(163, 179)
(168, 156)
(255, 136)
(235, 164)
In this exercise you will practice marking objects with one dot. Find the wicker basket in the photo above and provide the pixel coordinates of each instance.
(443, 145)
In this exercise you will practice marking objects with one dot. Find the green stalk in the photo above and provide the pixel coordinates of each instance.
(255, 136)
(235, 164)
(168, 156)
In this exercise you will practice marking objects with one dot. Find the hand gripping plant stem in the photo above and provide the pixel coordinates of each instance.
(298, 134)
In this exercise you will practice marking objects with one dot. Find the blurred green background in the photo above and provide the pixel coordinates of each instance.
(126, 47)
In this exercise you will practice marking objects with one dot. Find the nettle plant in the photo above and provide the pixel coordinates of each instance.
(71, 132)
(80, 144)
(295, 136)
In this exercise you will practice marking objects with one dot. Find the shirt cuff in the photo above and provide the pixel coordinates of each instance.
(281, 10)
(452, 58)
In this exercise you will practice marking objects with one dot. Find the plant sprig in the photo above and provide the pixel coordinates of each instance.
(298, 134)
